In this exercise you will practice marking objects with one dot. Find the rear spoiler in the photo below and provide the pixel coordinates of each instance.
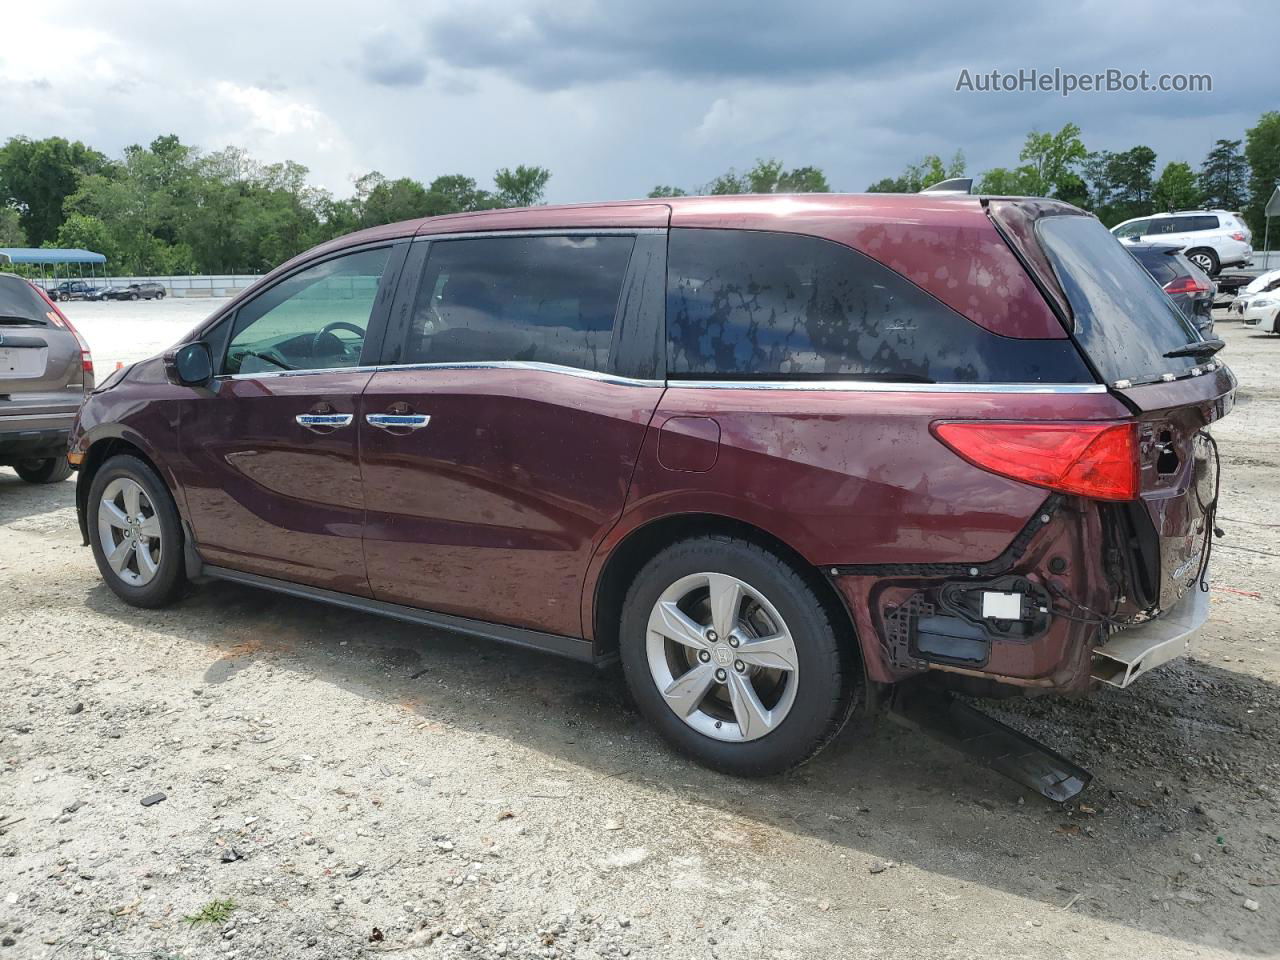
(953, 185)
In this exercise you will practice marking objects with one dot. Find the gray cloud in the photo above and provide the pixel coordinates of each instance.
(388, 60)
(615, 98)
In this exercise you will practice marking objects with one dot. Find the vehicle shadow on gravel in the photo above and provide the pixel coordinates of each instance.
(1179, 827)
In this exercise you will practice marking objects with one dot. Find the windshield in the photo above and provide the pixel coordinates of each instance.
(1123, 321)
(1263, 282)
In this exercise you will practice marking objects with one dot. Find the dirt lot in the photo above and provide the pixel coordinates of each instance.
(354, 786)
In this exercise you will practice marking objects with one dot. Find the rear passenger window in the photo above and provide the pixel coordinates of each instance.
(756, 305)
(533, 299)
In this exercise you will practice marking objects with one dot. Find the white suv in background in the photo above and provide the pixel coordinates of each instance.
(1211, 239)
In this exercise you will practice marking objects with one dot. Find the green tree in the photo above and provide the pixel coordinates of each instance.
(930, 170)
(88, 233)
(455, 193)
(1121, 183)
(36, 176)
(1177, 188)
(1052, 160)
(1001, 181)
(1262, 150)
(1224, 176)
(389, 201)
(522, 187)
(11, 232)
(665, 191)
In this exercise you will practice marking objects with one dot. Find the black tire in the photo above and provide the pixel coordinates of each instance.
(1205, 259)
(133, 296)
(170, 577)
(50, 470)
(160, 295)
(829, 678)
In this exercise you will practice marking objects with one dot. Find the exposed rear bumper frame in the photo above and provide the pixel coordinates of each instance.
(1131, 652)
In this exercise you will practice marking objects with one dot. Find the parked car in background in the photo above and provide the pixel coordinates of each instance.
(714, 437)
(136, 291)
(1264, 287)
(1211, 239)
(1258, 304)
(45, 374)
(75, 290)
(1185, 283)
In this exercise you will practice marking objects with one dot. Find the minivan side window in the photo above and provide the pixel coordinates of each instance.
(314, 320)
(541, 299)
(761, 305)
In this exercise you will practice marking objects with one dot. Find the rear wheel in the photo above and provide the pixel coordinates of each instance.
(731, 654)
(133, 296)
(1205, 259)
(135, 533)
(160, 295)
(50, 470)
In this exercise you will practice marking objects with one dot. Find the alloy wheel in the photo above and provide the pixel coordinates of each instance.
(129, 531)
(722, 657)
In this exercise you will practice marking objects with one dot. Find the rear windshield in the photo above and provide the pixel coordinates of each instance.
(1159, 263)
(1123, 320)
(18, 301)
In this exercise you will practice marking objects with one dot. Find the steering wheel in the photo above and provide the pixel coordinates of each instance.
(337, 346)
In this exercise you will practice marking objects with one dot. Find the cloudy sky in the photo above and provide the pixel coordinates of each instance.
(615, 97)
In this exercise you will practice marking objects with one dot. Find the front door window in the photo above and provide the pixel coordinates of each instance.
(314, 320)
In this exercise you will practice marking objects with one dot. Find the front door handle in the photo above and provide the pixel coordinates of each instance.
(323, 422)
(397, 421)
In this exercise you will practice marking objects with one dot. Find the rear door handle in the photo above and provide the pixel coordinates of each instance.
(323, 422)
(397, 421)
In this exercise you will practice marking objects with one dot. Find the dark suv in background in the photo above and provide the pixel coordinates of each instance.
(45, 373)
(136, 291)
(1186, 284)
(774, 453)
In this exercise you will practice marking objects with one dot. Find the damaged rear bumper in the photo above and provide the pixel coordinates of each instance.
(1129, 653)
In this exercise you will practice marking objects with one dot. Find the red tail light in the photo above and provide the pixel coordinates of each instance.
(58, 319)
(1185, 285)
(1097, 460)
(1239, 237)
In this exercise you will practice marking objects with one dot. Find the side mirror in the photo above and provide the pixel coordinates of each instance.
(192, 365)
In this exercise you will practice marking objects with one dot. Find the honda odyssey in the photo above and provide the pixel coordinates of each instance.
(774, 453)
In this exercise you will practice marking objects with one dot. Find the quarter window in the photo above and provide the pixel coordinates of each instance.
(534, 299)
(314, 320)
(757, 305)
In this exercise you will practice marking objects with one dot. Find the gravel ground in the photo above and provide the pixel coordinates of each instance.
(336, 785)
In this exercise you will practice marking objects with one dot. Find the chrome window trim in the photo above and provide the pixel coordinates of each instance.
(882, 386)
(860, 386)
(528, 365)
(293, 373)
(542, 232)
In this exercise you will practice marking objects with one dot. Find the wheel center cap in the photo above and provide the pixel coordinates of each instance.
(723, 655)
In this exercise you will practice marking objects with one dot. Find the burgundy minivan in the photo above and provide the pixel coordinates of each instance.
(775, 453)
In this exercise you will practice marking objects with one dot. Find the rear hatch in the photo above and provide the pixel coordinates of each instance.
(42, 362)
(1127, 327)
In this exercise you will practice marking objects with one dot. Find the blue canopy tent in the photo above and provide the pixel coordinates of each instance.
(53, 258)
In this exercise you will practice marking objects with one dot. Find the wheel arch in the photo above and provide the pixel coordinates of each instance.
(102, 449)
(629, 554)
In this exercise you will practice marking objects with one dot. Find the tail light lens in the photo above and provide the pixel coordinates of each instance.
(1240, 237)
(58, 319)
(1096, 460)
(1185, 285)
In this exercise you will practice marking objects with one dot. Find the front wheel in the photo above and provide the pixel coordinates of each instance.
(49, 470)
(135, 533)
(735, 659)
